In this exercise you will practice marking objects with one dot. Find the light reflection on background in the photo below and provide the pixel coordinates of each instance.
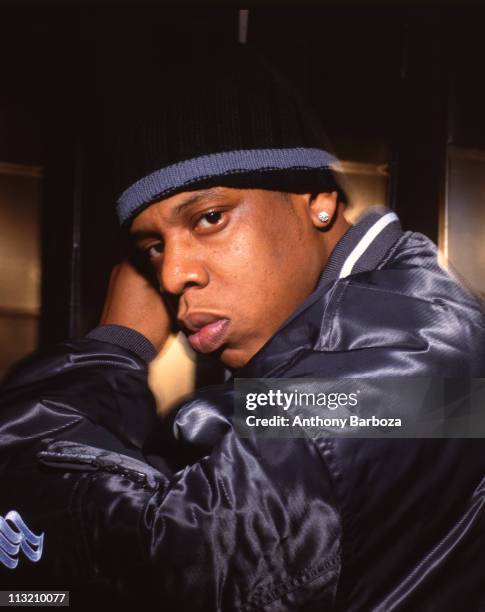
(19, 261)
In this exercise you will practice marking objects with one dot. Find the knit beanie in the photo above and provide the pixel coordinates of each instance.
(230, 121)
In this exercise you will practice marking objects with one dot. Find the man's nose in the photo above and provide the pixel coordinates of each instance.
(182, 267)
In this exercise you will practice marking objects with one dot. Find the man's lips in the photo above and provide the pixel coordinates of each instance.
(209, 331)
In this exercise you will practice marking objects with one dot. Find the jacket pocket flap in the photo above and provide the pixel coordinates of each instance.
(72, 456)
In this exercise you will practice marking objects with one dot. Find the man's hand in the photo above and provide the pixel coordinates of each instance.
(133, 302)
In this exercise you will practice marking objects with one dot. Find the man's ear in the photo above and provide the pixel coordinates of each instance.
(323, 208)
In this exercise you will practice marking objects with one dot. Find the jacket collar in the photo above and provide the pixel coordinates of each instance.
(362, 248)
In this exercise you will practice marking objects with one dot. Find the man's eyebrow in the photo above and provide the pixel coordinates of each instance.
(197, 197)
(142, 234)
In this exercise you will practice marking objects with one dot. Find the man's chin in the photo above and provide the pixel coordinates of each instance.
(234, 357)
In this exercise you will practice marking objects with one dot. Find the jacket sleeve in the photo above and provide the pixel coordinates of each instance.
(251, 525)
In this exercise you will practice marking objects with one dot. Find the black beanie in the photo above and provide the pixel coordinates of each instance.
(227, 121)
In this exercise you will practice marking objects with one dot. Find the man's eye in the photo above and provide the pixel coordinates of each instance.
(210, 218)
(154, 251)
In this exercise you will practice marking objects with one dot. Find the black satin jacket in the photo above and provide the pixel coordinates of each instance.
(187, 515)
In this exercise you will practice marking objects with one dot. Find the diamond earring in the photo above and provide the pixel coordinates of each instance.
(323, 216)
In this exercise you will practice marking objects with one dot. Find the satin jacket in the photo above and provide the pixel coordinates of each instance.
(100, 497)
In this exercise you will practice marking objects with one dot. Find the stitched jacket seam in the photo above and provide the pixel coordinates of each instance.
(268, 595)
(434, 302)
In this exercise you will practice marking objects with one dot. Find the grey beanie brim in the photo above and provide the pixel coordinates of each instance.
(258, 168)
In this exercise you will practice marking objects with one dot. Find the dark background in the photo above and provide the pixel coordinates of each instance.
(393, 85)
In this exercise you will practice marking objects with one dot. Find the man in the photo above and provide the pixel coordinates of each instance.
(229, 195)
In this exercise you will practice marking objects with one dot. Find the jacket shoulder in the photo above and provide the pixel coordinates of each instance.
(411, 304)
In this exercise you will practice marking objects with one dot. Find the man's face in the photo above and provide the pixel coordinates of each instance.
(240, 261)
